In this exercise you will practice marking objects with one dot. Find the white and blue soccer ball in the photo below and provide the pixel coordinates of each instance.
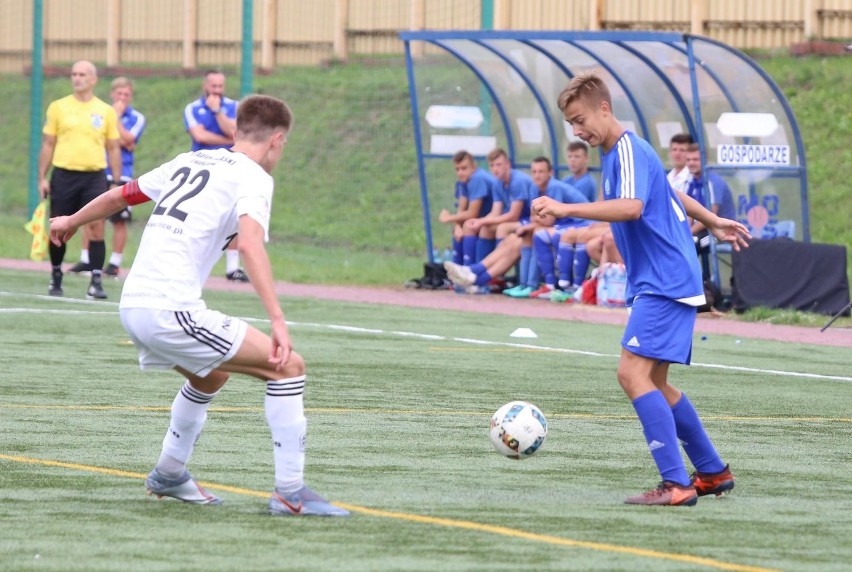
(518, 429)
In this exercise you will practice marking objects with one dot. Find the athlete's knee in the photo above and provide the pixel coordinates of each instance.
(295, 365)
(211, 383)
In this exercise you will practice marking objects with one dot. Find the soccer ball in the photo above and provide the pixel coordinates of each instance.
(518, 429)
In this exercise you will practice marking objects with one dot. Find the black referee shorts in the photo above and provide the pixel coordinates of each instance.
(125, 214)
(71, 190)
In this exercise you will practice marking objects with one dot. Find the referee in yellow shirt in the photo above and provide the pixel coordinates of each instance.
(77, 130)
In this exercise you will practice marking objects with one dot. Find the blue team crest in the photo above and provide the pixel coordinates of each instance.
(606, 187)
(97, 120)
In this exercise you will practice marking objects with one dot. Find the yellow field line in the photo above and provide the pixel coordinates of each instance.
(386, 411)
(446, 522)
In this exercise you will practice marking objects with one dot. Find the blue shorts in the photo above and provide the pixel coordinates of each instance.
(660, 328)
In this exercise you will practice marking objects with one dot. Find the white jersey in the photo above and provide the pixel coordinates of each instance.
(200, 197)
(679, 179)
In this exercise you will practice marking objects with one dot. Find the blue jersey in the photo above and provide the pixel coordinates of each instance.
(720, 194)
(518, 189)
(586, 184)
(197, 113)
(481, 186)
(562, 192)
(657, 247)
(134, 122)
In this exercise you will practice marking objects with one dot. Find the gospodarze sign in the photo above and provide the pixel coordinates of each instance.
(768, 155)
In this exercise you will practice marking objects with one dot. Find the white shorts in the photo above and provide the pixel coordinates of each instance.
(197, 341)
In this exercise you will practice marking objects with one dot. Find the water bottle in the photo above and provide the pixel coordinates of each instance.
(448, 254)
(436, 256)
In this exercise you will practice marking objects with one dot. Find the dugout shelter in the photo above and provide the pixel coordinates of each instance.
(477, 90)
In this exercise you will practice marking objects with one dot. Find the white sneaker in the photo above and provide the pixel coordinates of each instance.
(183, 488)
(459, 274)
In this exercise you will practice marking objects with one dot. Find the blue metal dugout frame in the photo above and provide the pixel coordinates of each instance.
(700, 78)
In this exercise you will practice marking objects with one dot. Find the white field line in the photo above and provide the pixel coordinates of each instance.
(430, 337)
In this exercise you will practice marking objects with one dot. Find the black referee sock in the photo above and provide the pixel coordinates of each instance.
(57, 254)
(97, 254)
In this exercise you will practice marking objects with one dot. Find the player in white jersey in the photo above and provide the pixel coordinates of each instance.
(204, 200)
(678, 177)
(649, 224)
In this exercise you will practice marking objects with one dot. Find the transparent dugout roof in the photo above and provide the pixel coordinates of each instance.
(484, 89)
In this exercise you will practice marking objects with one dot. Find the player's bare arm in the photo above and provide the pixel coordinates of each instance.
(616, 210)
(465, 211)
(259, 269)
(201, 135)
(725, 230)
(113, 147)
(45, 156)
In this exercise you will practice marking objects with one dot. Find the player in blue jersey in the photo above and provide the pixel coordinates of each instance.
(211, 121)
(714, 194)
(514, 190)
(131, 124)
(543, 185)
(649, 223)
(476, 192)
(547, 239)
(577, 156)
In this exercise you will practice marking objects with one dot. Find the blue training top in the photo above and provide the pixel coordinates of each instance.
(586, 184)
(657, 247)
(720, 194)
(518, 189)
(197, 113)
(562, 192)
(134, 122)
(481, 185)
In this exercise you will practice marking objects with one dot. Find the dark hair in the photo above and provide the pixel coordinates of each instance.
(259, 115)
(461, 156)
(578, 146)
(587, 87)
(682, 138)
(692, 148)
(543, 159)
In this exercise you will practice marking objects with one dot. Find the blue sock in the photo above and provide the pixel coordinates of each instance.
(694, 439)
(526, 254)
(484, 247)
(544, 255)
(457, 251)
(477, 268)
(566, 261)
(581, 264)
(532, 270)
(482, 279)
(469, 249)
(658, 423)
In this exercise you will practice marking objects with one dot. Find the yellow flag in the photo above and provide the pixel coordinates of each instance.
(38, 228)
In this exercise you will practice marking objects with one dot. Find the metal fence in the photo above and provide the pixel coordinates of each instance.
(196, 33)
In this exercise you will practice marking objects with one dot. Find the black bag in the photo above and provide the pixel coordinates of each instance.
(713, 295)
(434, 278)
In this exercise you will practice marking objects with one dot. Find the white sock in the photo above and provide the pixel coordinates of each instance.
(84, 255)
(564, 283)
(232, 261)
(285, 413)
(115, 259)
(189, 412)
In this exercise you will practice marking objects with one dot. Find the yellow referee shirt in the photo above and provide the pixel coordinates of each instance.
(81, 129)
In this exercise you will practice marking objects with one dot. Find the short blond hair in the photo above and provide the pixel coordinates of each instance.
(586, 87)
(495, 154)
(121, 81)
